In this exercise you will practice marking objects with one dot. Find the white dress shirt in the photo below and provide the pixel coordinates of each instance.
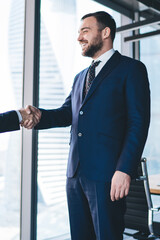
(103, 59)
(19, 116)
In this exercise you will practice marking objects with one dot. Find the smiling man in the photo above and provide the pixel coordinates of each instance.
(109, 111)
(90, 37)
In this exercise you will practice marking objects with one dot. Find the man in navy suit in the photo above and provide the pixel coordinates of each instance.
(10, 121)
(109, 126)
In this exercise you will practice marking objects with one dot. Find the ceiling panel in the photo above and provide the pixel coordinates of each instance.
(147, 8)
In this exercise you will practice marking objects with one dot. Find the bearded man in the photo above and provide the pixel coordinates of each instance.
(109, 113)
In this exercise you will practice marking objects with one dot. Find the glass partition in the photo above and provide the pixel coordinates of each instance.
(11, 69)
(150, 55)
(60, 61)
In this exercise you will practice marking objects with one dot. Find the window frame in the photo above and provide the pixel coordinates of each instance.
(29, 138)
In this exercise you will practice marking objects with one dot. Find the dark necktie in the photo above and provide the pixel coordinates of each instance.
(90, 77)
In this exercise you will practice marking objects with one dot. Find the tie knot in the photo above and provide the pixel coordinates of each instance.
(95, 64)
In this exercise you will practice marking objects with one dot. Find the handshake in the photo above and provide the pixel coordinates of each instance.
(30, 116)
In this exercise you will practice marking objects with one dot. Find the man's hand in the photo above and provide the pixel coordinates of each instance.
(31, 116)
(120, 185)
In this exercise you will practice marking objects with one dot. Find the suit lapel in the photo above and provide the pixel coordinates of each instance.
(108, 67)
(82, 83)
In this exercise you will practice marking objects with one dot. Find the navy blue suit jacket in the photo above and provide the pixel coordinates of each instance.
(110, 126)
(9, 121)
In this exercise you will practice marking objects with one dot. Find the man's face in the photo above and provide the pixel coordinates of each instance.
(90, 37)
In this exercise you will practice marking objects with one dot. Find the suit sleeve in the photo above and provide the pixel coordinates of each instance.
(9, 121)
(137, 96)
(60, 117)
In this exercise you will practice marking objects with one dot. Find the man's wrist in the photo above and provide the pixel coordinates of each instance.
(19, 116)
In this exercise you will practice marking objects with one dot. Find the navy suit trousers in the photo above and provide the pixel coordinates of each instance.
(93, 216)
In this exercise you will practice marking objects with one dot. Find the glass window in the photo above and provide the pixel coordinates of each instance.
(60, 61)
(11, 69)
(150, 55)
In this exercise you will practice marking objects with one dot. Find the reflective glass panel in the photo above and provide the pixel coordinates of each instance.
(150, 55)
(11, 69)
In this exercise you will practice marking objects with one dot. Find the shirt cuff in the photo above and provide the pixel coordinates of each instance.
(19, 116)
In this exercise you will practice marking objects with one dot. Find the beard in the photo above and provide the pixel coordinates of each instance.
(95, 46)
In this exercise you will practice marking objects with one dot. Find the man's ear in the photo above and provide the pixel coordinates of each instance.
(106, 32)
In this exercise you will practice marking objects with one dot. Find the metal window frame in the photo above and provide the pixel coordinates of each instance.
(138, 37)
(29, 138)
(136, 26)
(126, 48)
(136, 45)
(139, 24)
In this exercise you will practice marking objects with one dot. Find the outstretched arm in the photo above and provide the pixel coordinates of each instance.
(9, 121)
(60, 117)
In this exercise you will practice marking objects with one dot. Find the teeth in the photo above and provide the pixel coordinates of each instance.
(83, 44)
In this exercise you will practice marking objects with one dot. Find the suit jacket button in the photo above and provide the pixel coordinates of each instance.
(81, 112)
(79, 134)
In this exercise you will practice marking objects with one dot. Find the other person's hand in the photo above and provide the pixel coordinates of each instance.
(31, 116)
(120, 185)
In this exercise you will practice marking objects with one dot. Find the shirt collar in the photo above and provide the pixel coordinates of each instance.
(105, 56)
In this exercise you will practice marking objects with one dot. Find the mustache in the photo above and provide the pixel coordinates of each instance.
(83, 41)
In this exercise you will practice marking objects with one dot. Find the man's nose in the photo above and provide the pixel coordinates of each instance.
(79, 38)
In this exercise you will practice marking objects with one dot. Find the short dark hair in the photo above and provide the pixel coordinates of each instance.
(104, 19)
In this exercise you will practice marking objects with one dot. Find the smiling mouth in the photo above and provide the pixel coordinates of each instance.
(83, 45)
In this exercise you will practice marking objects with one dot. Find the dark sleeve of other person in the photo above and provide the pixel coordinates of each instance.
(9, 121)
